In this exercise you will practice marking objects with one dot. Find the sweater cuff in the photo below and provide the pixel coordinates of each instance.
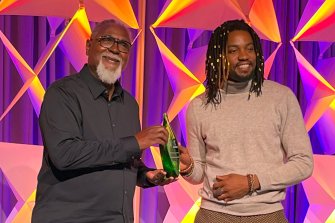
(264, 181)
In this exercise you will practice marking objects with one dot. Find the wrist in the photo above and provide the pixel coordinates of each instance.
(257, 184)
(251, 183)
(188, 170)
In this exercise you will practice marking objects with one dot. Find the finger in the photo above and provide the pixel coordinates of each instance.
(225, 197)
(220, 178)
(164, 137)
(162, 171)
(160, 174)
(218, 192)
(160, 141)
(172, 179)
(156, 127)
(160, 135)
(165, 132)
(217, 185)
(182, 148)
(158, 181)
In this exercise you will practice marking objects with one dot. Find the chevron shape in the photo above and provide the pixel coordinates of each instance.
(318, 91)
(80, 26)
(198, 14)
(244, 5)
(97, 10)
(39, 8)
(269, 62)
(73, 39)
(190, 216)
(325, 127)
(321, 204)
(263, 18)
(24, 214)
(208, 14)
(181, 194)
(184, 84)
(21, 164)
(321, 26)
(27, 75)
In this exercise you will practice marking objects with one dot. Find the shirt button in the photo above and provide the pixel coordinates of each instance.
(125, 192)
(113, 124)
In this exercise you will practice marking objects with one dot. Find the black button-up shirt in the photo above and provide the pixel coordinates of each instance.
(91, 161)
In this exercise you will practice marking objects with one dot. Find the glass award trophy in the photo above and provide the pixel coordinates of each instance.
(169, 152)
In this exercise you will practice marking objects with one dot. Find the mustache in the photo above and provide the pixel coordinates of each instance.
(244, 63)
(111, 55)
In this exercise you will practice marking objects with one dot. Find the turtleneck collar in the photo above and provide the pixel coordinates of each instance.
(231, 87)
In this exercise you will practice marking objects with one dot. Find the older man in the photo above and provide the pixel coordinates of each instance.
(92, 139)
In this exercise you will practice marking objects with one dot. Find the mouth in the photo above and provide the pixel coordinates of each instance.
(244, 67)
(111, 59)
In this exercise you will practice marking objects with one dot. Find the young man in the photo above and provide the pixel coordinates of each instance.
(92, 139)
(246, 136)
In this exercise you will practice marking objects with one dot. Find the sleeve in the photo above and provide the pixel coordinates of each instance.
(196, 145)
(142, 180)
(60, 123)
(297, 147)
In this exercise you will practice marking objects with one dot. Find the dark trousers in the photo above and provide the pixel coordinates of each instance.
(207, 216)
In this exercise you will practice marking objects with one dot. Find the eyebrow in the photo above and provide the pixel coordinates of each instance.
(110, 36)
(234, 45)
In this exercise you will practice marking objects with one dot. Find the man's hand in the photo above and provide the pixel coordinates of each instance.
(157, 177)
(184, 157)
(230, 187)
(152, 135)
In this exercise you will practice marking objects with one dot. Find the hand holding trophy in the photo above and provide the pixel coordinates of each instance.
(169, 152)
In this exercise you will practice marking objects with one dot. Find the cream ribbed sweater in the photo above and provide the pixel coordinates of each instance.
(265, 135)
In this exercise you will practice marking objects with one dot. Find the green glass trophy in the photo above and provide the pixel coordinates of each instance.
(169, 152)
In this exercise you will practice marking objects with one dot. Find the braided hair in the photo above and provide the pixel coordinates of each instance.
(217, 65)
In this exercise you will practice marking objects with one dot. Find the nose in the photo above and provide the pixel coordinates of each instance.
(243, 55)
(114, 48)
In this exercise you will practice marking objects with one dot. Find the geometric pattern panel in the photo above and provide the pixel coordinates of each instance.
(182, 196)
(97, 10)
(20, 165)
(320, 190)
(208, 14)
(319, 92)
(7, 198)
(317, 22)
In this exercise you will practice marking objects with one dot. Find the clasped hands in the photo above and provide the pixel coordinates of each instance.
(230, 187)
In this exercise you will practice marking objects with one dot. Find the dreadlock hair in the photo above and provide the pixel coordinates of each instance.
(217, 65)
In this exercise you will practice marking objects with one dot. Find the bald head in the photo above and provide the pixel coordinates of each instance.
(105, 23)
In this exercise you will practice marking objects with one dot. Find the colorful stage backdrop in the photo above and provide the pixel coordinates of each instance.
(41, 41)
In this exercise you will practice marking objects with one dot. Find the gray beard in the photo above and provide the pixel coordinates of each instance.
(108, 76)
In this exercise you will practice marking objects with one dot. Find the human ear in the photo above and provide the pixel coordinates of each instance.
(88, 45)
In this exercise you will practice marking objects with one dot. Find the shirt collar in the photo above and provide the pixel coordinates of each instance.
(96, 87)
